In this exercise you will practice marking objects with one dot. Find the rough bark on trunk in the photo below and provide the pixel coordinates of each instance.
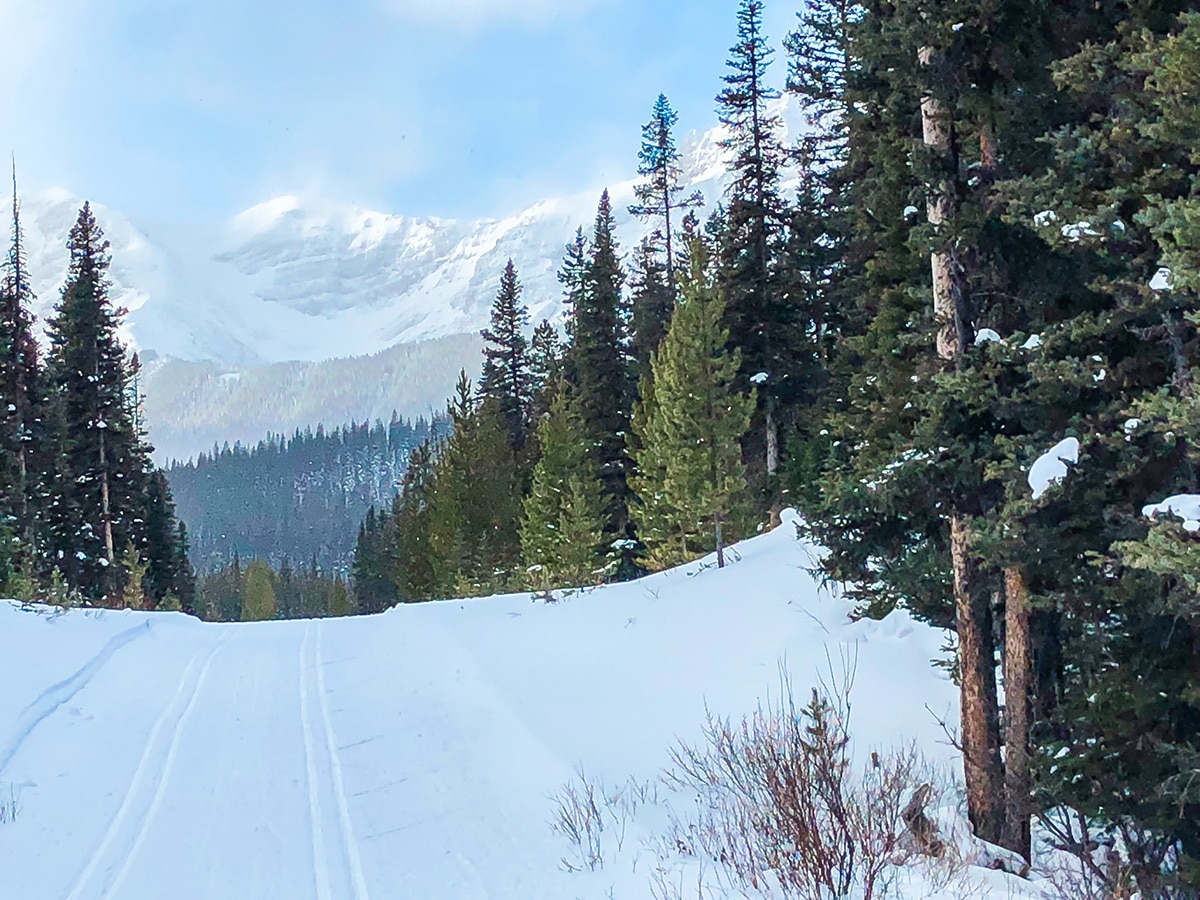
(720, 543)
(772, 439)
(983, 769)
(980, 713)
(104, 505)
(1018, 669)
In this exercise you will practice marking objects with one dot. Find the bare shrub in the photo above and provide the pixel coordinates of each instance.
(577, 818)
(9, 806)
(780, 808)
(1109, 860)
(585, 808)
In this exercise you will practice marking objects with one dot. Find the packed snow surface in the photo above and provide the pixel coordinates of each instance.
(411, 754)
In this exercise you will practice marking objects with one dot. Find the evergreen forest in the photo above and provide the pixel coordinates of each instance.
(85, 516)
(299, 499)
(993, 250)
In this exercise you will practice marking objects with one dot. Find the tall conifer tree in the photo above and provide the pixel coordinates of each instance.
(691, 431)
(19, 390)
(98, 507)
(759, 321)
(658, 196)
(599, 358)
(562, 524)
(506, 378)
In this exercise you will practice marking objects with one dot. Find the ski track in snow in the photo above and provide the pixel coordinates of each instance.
(56, 695)
(320, 863)
(417, 754)
(350, 842)
(142, 776)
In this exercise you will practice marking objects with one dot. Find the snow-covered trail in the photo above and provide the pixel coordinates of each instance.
(409, 755)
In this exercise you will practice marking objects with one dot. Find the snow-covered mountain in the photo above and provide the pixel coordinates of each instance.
(295, 280)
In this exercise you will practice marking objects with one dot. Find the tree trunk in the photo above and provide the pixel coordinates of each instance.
(772, 438)
(104, 505)
(720, 542)
(941, 207)
(983, 769)
(1018, 781)
(980, 711)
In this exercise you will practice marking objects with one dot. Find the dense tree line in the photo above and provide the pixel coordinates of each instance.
(298, 499)
(84, 515)
(993, 247)
(256, 592)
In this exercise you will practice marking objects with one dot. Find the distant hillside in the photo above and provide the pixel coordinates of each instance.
(301, 497)
(192, 406)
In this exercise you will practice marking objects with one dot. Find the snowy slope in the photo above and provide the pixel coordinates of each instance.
(409, 755)
(305, 279)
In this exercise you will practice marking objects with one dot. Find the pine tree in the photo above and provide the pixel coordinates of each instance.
(698, 417)
(506, 378)
(562, 526)
(759, 322)
(658, 195)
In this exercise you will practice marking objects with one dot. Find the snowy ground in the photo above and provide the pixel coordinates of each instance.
(410, 755)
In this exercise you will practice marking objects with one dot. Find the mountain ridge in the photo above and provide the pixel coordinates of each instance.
(298, 281)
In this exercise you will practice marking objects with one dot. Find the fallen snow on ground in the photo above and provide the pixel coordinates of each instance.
(413, 754)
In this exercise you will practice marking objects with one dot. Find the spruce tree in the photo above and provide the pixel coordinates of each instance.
(692, 431)
(474, 506)
(20, 466)
(1119, 373)
(415, 567)
(373, 570)
(653, 299)
(98, 504)
(506, 378)
(602, 389)
(658, 195)
(545, 368)
(163, 548)
(573, 276)
(562, 524)
(759, 321)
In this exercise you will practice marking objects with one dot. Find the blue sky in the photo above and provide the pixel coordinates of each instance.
(191, 110)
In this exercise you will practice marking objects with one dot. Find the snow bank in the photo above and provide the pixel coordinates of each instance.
(410, 754)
